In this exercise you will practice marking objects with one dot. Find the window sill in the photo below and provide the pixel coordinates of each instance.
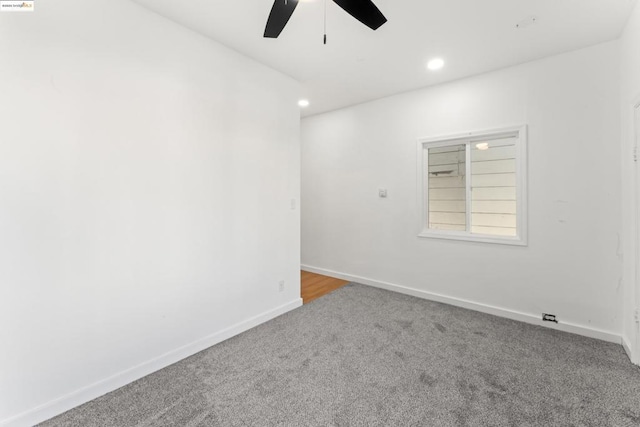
(480, 238)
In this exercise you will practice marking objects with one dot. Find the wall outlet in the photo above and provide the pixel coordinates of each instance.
(549, 318)
(281, 286)
(382, 193)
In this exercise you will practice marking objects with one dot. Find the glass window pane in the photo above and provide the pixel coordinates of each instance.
(493, 187)
(447, 188)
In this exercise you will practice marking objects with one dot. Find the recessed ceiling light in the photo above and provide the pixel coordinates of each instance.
(482, 146)
(435, 64)
(303, 103)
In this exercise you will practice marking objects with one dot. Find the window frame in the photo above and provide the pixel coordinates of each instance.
(468, 138)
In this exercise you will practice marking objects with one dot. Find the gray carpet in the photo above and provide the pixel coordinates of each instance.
(367, 357)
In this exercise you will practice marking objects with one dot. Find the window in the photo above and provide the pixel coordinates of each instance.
(473, 186)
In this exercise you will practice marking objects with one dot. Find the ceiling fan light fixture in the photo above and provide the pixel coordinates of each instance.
(364, 11)
(435, 64)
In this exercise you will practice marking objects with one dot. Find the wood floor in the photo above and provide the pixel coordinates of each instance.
(314, 286)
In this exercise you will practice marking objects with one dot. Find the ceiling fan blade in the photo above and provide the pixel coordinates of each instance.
(364, 11)
(279, 16)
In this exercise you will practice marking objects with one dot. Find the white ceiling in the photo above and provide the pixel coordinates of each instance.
(358, 64)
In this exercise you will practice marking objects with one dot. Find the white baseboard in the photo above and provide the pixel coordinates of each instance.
(627, 347)
(471, 305)
(100, 388)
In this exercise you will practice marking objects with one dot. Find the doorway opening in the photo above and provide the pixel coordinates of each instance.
(314, 286)
(636, 153)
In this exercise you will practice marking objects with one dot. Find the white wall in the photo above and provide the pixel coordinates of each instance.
(572, 265)
(630, 94)
(146, 175)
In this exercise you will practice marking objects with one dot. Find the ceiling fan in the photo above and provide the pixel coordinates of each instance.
(363, 10)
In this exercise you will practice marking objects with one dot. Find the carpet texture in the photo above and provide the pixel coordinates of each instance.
(362, 356)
